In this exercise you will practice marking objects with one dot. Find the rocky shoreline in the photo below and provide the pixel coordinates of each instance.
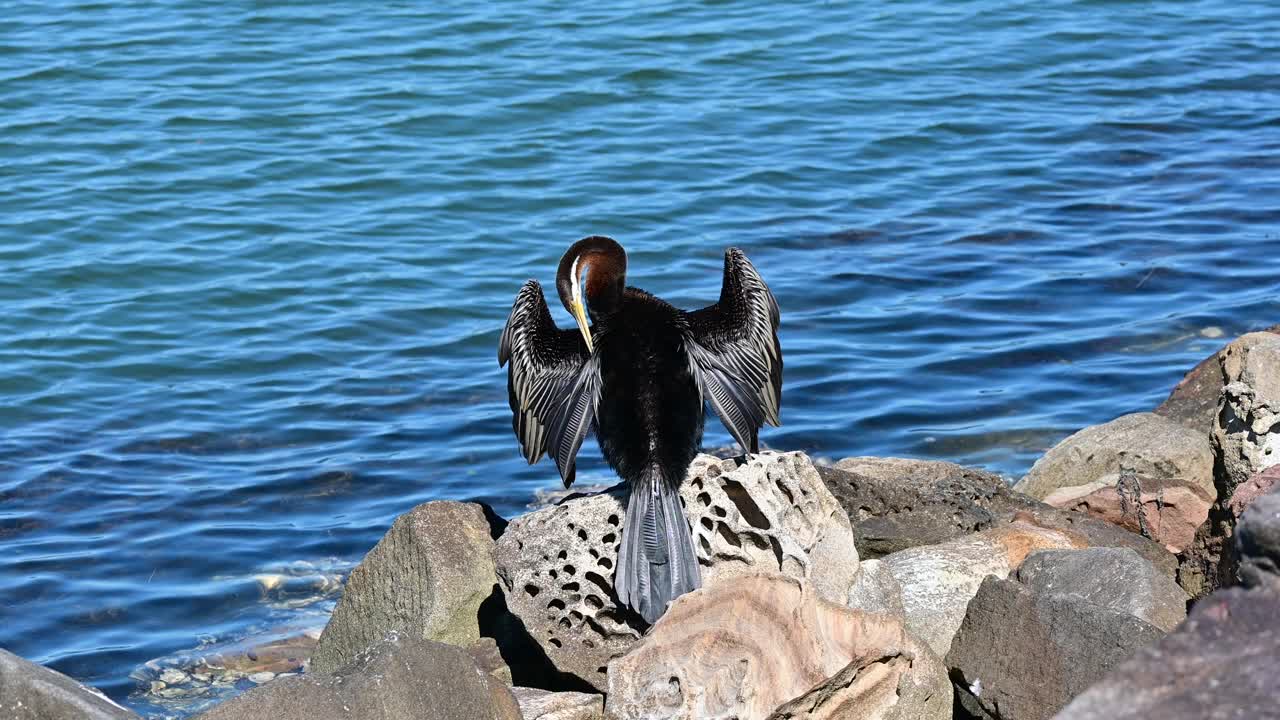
(866, 588)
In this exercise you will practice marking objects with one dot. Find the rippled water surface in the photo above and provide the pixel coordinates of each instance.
(256, 256)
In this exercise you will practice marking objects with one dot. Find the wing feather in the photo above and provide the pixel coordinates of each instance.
(553, 383)
(734, 352)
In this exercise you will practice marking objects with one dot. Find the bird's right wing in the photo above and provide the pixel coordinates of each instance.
(553, 383)
(734, 352)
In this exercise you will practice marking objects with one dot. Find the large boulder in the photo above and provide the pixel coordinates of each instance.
(427, 577)
(1022, 655)
(935, 583)
(401, 676)
(1113, 578)
(1144, 472)
(33, 692)
(1194, 401)
(1223, 662)
(1246, 439)
(765, 646)
(767, 512)
(897, 503)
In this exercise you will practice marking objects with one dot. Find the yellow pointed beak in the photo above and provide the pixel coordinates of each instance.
(580, 314)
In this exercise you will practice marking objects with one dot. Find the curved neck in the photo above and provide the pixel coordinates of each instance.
(603, 263)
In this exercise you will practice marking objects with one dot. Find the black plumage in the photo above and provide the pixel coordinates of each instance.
(639, 376)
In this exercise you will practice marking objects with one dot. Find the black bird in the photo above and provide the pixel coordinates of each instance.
(639, 376)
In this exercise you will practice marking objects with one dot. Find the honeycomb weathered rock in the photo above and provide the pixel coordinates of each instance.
(768, 512)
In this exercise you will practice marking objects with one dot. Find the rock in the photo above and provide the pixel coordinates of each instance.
(488, 657)
(1172, 510)
(938, 581)
(1221, 663)
(1258, 540)
(426, 577)
(538, 704)
(33, 692)
(1022, 655)
(1114, 578)
(747, 646)
(875, 589)
(1156, 449)
(1246, 434)
(1194, 402)
(767, 512)
(897, 503)
(397, 677)
(1246, 438)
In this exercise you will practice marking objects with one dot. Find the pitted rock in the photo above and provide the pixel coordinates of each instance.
(768, 512)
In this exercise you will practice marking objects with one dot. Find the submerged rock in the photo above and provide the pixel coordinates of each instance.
(33, 692)
(401, 676)
(426, 577)
(1022, 655)
(764, 646)
(767, 512)
(1223, 662)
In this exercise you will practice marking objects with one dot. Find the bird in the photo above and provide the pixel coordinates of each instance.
(640, 376)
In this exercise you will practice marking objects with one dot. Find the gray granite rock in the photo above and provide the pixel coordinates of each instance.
(401, 676)
(1114, 578)
(936, 582)
(426, 577)
(766, 512)
(1022, 655)
(33, 692)
(1153, 447)
(1221, 664)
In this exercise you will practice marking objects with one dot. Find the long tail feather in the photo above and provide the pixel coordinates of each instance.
(657, 562)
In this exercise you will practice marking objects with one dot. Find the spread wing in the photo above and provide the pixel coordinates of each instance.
(733, 348)
(552, 382)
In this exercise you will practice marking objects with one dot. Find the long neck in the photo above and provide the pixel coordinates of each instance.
(604, 263)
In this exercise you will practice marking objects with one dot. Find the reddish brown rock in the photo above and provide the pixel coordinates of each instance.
(751, 645)
(1171, 510)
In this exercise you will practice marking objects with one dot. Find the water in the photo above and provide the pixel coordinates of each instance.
(256, 255)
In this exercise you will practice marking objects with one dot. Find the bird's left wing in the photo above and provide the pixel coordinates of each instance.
(734, 352)
(553, 383)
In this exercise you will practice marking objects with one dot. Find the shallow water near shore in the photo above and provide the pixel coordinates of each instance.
(256, 259)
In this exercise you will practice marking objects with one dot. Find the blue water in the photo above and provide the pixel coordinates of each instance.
(256, 255)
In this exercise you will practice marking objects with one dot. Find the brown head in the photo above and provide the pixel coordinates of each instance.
(603, 263)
